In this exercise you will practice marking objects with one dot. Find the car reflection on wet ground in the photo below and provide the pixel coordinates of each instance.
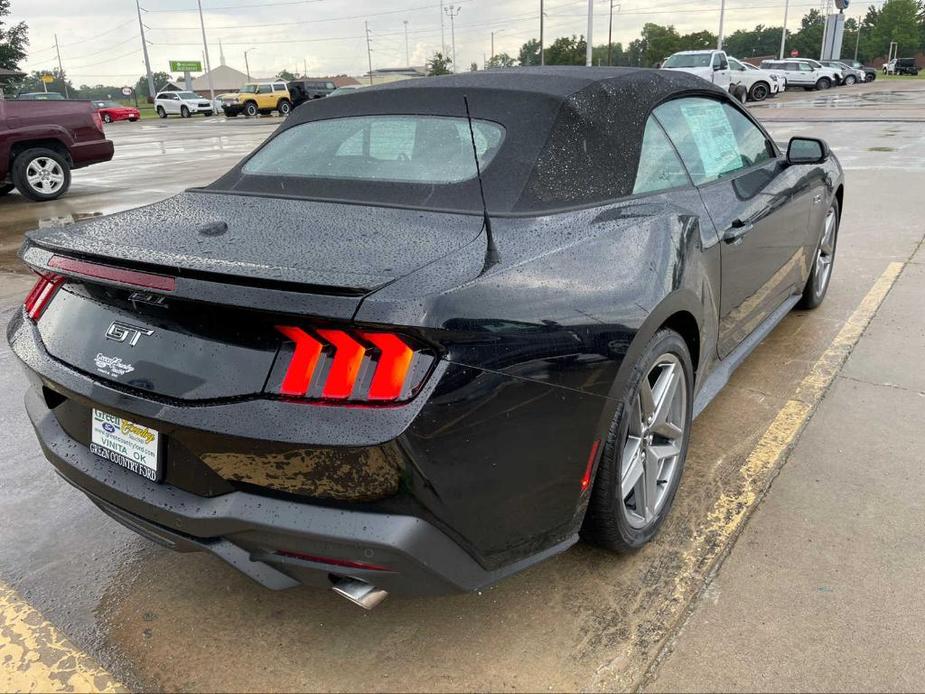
(584, 620)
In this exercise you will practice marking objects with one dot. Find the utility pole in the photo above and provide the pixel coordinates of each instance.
(304, 67)
(205, 46)
(61, 69)
(453, 11)
(369, 54)
(589, 45)
(783, 34)
(542, 57)
(247, 65)
(493, 42)
(442, 30)
(407, 53)
(144, 50)
(722, 16)
(857, 42)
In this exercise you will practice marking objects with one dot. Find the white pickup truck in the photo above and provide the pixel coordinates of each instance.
(726, 72)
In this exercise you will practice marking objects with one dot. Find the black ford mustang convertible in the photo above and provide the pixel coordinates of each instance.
(430, 334)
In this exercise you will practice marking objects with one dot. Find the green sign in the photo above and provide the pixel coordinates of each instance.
(185, 66)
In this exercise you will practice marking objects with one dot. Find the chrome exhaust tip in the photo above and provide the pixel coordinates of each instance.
(359, 593)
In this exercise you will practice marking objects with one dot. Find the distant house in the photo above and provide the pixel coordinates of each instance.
(224, 79)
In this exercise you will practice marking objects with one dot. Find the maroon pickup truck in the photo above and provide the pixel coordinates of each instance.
(41, 141)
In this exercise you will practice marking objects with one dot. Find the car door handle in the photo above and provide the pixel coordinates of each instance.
(737, 230)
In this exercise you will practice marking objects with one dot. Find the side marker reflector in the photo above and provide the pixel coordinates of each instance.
(586, 479)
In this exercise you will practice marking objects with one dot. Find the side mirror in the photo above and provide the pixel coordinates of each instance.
(807, 150)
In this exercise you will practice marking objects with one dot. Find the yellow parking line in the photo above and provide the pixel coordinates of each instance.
(730, 511)
(36, 657)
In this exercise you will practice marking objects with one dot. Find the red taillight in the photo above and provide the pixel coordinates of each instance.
(392, 370)
(347, 366)
(97, 120)
(348, 356)
(134, 278)
(41, 295)
(299, 374)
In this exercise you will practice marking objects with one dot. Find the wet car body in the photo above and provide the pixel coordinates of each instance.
(524, 325)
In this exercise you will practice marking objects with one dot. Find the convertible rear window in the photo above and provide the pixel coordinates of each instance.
(399, 148)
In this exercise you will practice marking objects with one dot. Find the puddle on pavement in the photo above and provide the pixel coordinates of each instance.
(12, 231)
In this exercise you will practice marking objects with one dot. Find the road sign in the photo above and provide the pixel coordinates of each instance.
(126, 91)
(48, 79)
(794, 53)
(185, 66)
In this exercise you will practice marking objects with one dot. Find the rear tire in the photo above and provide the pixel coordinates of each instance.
(107, 118)
(760, 91)
(41, 174)
(821, 273)
(870, 77)
(823, 83)
(284, 107)
(643, 457)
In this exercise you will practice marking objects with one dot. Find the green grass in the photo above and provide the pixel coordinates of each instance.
(881, 76)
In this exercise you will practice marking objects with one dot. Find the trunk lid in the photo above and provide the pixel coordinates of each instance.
(255, 239)
(242, 266)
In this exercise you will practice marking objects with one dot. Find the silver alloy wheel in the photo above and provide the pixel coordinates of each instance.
(44, 175)
(654, 441)
(825, 254)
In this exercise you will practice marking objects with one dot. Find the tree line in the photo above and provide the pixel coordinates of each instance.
(902, 21)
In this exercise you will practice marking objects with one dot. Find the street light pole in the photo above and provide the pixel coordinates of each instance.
(589, 45)
(722, 16)
(144, 50)
(247, 65)
(783, 34)
(542, 57)
(857, 42)
(442, 30)
(407, 54)
(205, 45)
(610, 35)
(493, 42)
(453, 11)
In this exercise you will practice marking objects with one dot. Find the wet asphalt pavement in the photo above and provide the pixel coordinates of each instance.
(584, 620)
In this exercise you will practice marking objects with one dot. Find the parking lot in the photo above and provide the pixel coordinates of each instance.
(802, 452)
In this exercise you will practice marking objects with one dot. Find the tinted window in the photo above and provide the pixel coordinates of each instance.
(659, 165)
(415, 149)
(264, 89)
(279, 87)
(714, 139)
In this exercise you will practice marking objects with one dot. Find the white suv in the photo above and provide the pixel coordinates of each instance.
(183, 104)
(801, 74)
(760, 83)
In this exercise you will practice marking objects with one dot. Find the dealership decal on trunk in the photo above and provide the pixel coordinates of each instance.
(112, 366)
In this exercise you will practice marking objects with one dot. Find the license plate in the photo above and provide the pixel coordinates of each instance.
(133, 446)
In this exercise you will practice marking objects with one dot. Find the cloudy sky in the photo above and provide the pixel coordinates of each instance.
(100, 41)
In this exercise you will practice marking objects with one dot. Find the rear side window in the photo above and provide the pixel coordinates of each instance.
(713, 138)
(659, 165)
(279, 87)
(411, 149)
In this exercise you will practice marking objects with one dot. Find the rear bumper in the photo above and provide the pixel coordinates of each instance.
(87, 153)
(248, 530)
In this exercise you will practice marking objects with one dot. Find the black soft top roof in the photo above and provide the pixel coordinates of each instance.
(573, 136)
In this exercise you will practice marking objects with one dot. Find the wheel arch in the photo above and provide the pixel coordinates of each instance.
(53, 144)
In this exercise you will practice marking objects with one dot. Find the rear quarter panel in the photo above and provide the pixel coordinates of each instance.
(539, 348)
